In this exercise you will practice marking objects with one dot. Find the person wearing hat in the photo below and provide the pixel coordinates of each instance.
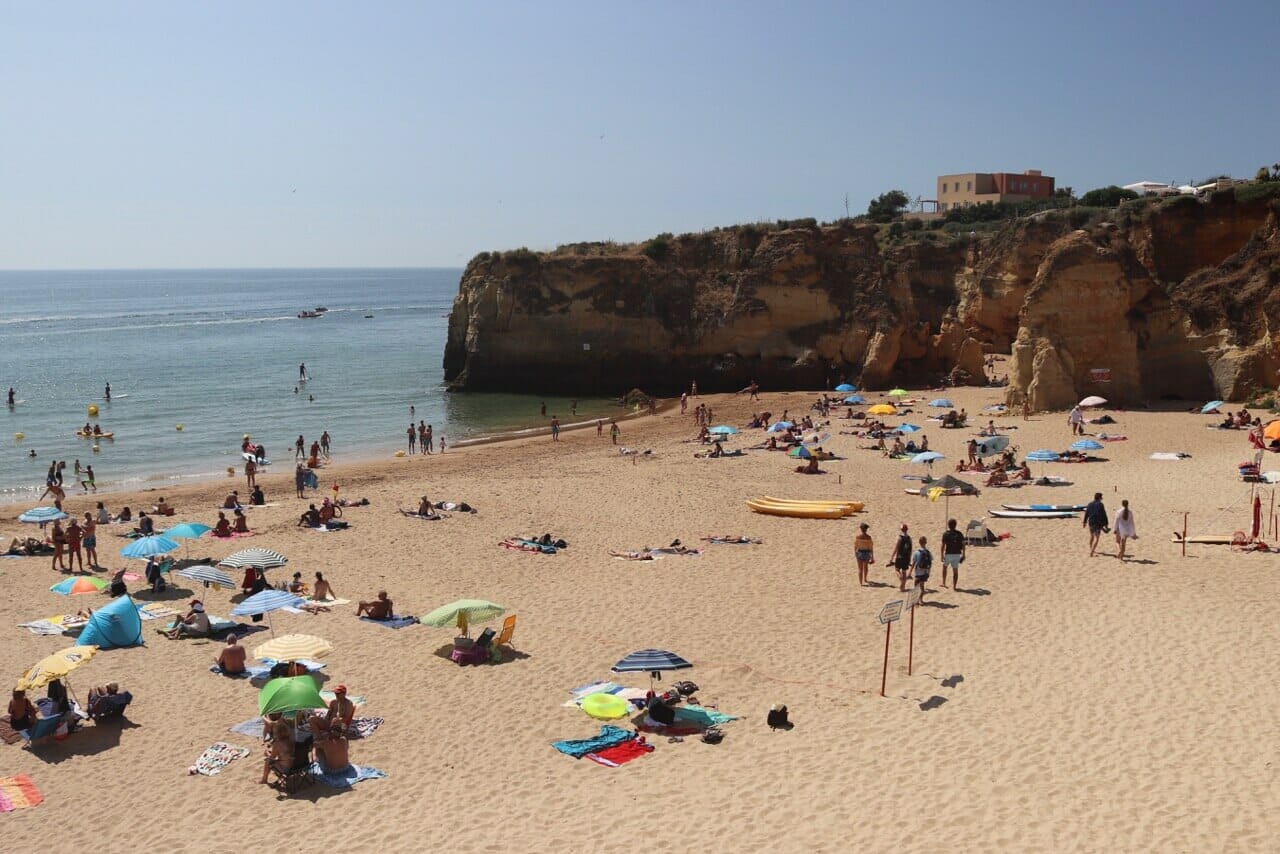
(341, 710)
(864, 552)
(902, 557)
(195, 624)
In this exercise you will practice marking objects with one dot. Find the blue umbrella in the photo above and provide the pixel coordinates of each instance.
(41, 515)
(1210, 406)
(266, 602)
(187, 531)
(845, 387)
(854, 398)
(1043, 455)
(780, 426)
(907, 428)
(942, 403)
(723, 430)
(148, 546)
(650, 661)
(927, 457)
(1086, 445)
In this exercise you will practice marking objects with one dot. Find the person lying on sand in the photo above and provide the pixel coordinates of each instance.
(232, 659)
(733, 539)
(378, 609)
(642, 554)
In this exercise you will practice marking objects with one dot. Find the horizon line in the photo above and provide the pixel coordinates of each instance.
(227, 269)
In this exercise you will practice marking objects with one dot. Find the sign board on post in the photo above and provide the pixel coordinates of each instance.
(913, 598)
(889, 614)
(1100, 375)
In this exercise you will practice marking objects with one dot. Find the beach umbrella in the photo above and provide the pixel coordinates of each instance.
(187, 531)
(208, 575)
(79, 584)
(651, 661)
(907, 428)
(255, 559)
(854, 399)
(845, 387)
(42, 515)
(266, 602)
(1272, 431)
(462, 613)
(898, 392)
(55, 666)
(883, 409)
(1086, 445)
(293, 648)
(1210, 406)
(800, 452)
(289, 694)
(1093, 400)
(942, 403)
(148, 546)
(780, 426)
(723, 430)
(1043, 455)
(927, 457)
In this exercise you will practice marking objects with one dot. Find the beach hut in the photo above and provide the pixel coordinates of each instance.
(114, 625)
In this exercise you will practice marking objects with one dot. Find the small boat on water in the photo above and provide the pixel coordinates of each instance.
(321, 309)
(308, 314)
(367, 316)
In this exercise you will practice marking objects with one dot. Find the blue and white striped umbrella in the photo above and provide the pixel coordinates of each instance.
(854, 399)
(1043, 455)
(1086, 445)
(254, 558)
(942, 403)
(1210, 406)
(41, 515)
(208, 575)
(265, 602)
(148, 546)
(723, 430)
(650, 661)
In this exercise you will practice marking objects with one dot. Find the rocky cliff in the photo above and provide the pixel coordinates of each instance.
(1171, 299)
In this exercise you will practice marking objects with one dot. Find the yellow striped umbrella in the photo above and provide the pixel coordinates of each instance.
(55, 666)
(293, 647)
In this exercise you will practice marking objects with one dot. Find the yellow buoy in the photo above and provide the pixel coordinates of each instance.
(399, 453)
(18, 437)
(179, 428)
(93, 410)
(96, 449)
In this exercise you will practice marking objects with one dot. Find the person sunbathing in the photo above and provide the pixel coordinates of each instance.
(242, 522)
(1023, 472)
(811, 468)
(323, 590)
(327, 512)
(232, 501)
(998, 478)
(897, 450)
(378, 609)
(333, 752)
(125, 515)
(231, 660)
(194, 624)
(146, 526)
(717, 450)
(163, 509)
(310, 519)
(222, 528)
(97, 694)
(735, 539)
(341, 710)
(642, 554)
(425, 507)
(22, 712)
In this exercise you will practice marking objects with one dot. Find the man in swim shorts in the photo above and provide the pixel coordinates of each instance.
(953, 547)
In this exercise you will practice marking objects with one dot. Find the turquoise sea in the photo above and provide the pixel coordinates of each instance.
(218, 351)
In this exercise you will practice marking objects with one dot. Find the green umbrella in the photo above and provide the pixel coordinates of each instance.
(289, 694)
(898, 392)
(462, 613)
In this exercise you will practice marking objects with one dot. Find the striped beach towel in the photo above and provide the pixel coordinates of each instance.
(18, 793)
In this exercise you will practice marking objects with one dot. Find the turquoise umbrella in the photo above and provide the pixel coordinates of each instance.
(723, 430)
(845, 387)
(854, 399)
(1086, 445)
(187, 531)
(148, 546)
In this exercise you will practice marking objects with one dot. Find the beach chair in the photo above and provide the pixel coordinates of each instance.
(294, 779)
(105, 707)
(508, 629)
(975, 532)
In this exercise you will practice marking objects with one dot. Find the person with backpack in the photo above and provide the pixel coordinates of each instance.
(953, 548)
(921, 563)
(902, 557)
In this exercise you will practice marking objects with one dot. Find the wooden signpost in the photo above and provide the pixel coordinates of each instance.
(889, 614)
(913, 599)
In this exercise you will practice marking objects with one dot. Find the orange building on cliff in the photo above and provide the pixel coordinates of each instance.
(974, 188)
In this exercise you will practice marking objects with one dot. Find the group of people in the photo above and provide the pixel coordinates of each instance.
(291, 738)
(422, 438)
(53, 480)
(912, 559)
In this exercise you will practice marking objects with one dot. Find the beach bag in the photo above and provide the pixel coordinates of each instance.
(713, 735)
(685, 688)
(777, 717)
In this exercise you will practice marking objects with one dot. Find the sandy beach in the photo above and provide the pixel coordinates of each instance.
(1058, 702)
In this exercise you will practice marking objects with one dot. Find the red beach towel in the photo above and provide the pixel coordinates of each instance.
(622, 753)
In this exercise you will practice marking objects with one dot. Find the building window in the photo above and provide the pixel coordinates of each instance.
(968, 185)
(1035, 186)
(957, 186)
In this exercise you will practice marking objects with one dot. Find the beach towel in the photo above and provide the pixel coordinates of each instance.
(432, 518)
(328, 603)
(155, 611)
(18, 793)
(346, 778)
(364, 727)
(215, 668)
(1168, 455)
(218, 756)
(527, 546)
(609, 736)
(622, 753)
(393, 623)
(42, 627)
(251, 728)
(733, 541)
(8, 734)
(698, 716)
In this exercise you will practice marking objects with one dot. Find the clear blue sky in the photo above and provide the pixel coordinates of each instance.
(236, 134)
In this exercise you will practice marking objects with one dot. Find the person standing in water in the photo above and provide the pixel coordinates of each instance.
(429, 444)
(106, 393)
(324, 443)
(12, 395)
(302, 371)
(413, 437)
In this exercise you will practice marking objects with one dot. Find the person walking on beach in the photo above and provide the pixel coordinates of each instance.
(1125, 528)
(902, 557)
(555, 428)
(442, 443)
(614, 431)
(1076, 420)
(413, 437)
(324, 444)
(755, 390)
(573, 407)
(1095, 518)
(864, 552)
(251, 472)
(684, 401)
(428, 442)
(299, 448)
(543, 409)
(422, 436)
(953, 549)
(693, 388)
(921, 563)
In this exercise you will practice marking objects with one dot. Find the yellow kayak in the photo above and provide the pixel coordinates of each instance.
(84, 435)
(796, 511)
(851, 506)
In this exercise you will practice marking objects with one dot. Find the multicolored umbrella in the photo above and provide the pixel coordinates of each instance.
(147, 546)
(293, 648)
(79, 584)
(255, 559)
(289, 694)
(55, 666)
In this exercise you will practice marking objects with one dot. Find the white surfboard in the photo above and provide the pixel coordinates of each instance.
(262, 462)
(1032, 514)
(1056, 508)
(992, 445)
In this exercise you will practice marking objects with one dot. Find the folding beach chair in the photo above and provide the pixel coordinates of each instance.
(508, 629)
(976, 532)
(104, 707)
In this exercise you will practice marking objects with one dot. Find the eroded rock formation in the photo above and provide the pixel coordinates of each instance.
(1175, 299)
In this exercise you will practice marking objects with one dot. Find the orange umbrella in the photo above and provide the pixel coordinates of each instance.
(1272, 430)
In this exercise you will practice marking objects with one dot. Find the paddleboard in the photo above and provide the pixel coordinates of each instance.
(1057, 508)
(992, 445)
(1032, 514)
(84, 435)
(18, 402)
(262, 462)
(115, 397)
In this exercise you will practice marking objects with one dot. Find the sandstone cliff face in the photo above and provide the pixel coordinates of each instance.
(1180, 301)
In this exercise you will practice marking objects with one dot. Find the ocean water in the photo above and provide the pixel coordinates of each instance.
(218, 352)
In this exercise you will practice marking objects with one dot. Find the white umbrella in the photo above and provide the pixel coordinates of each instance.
(1093, 400)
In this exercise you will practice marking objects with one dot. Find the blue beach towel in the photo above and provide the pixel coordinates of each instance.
(608, 737)
(214, 668)
(700, 717)
(251, 728)
(346, 778)
(394, 623)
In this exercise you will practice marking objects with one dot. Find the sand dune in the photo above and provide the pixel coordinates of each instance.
(1058, 703)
